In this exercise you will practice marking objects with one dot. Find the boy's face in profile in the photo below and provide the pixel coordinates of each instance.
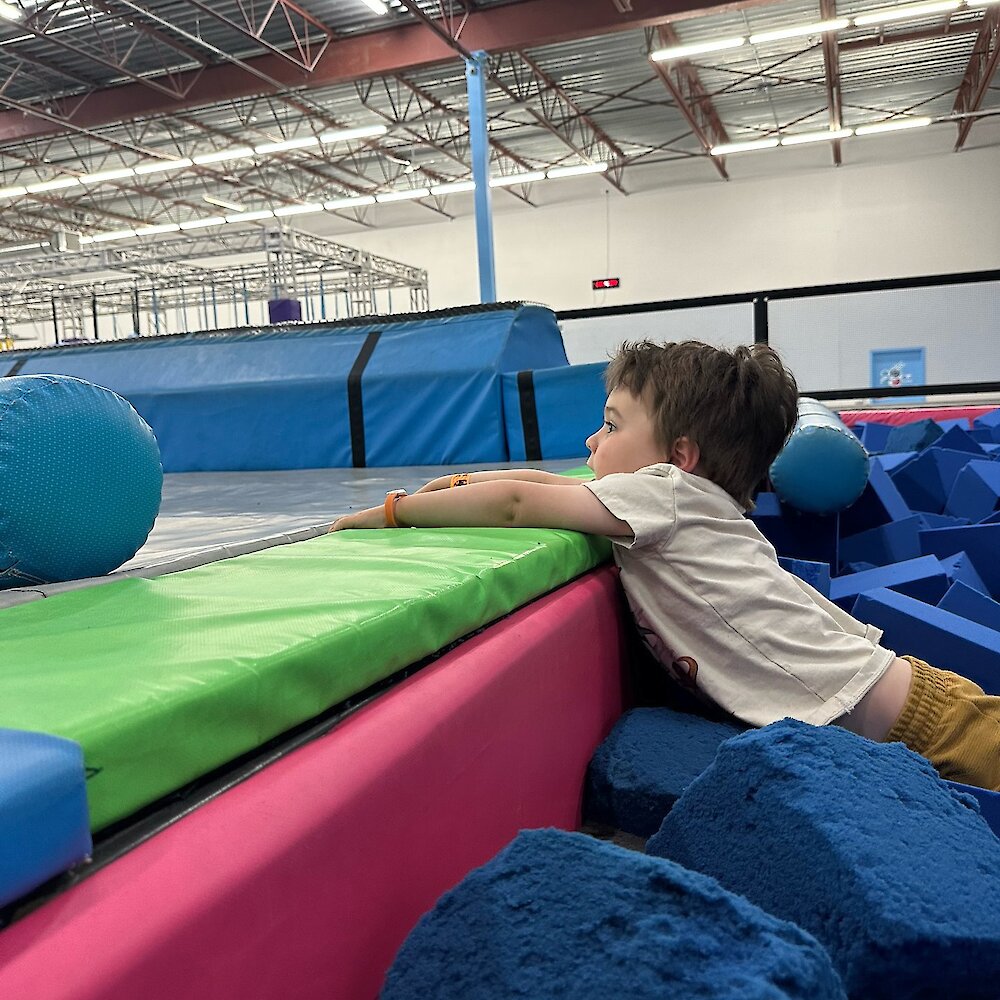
(626, 441)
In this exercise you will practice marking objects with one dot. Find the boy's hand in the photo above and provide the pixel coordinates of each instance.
(373, 517)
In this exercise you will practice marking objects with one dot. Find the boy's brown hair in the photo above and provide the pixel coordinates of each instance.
(739, 406)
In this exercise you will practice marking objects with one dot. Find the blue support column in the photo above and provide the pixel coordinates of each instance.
(475, 80)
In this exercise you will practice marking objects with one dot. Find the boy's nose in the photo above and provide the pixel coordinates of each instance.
(591, 441)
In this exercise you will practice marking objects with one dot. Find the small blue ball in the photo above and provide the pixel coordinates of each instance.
(80, 480)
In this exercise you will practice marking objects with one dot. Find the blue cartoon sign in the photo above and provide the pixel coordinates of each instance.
(898, 367)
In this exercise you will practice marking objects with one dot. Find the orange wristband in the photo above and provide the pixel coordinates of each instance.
(391, 499)
(459, 479)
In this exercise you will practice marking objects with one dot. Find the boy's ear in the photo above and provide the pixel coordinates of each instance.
(685, 454)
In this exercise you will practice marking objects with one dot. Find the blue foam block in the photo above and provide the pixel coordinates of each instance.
(862, 845)
(561, 915)
(816, 574)
(944, 639)
(941, 520)
(914, 436)
(893, 460)
(981, 435)
(976, 491)
(980, 541)
(795, 534)
(647, 760)
(947, 424)
(44, 823)
(956, 437)
(923, 578)
(889, 543)
(972, 605)
(926, 481)
(990, 422)
(992, 519)
(873, 434)
(859, 567)
(960, 570)
(880, 503)
(989, 803)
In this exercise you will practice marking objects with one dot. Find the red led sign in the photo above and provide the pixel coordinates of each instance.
(599, 284)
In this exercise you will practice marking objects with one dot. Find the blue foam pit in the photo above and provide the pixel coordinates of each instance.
(981, 435)
(794, 533)
(957, 438)
(859, 567)
(989, 421)
(923, 578)
(960, 570)
(992, 519)
(972, 605)
(44, 822)
(561, 915)
(941, 638)
(889, 543)
(914, 436)
(893, 460)
(816, 574)
(926, 482)
(981, 542)
(861, 844)
(976, 491)
(880, 503)
(942, 520)
(645, 763)
(873, 435)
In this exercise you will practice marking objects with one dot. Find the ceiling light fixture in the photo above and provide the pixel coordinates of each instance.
(506, 180)
(57, 185)
(376, 6)
(24, 246)
(742, 147)
(160, 166)
(576, 171)
(797, 31)
(402, 195)
(362, 132)
(165, 227)
(222, 203)
(263, 213)
(304, 142)
(211, 220)
(298, 209)
(10, 13)
(235, 153)
(906, 11)
(118, 234)
(456, 187)
(804, 137)
(892, 125)
(695, 48)
(13, 192)
(107, 175)
(355, 202)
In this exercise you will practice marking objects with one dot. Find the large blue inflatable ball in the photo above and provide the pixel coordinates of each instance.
(80, 480)
(823, 468)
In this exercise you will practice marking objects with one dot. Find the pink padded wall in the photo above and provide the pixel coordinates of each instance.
(897, 417)
(304, 880)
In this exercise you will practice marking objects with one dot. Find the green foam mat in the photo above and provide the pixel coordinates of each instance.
(163, 680)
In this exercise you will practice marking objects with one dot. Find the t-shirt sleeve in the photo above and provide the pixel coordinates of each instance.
(645, 502)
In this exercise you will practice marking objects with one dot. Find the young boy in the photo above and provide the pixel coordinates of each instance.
(689, 431)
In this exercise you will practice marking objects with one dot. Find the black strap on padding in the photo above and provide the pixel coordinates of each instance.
(355, 408)
(529, 417)
(18, 365)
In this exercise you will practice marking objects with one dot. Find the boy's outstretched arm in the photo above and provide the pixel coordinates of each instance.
(523, 475)
(504, 503)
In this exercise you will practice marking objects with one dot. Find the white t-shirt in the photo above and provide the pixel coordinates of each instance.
(721, 615)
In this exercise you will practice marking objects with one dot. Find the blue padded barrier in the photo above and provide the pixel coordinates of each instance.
(945, 640)
(44, 824)
(823, 467)
(561, 915)
(550, 412)
(80, 480)
(859, 843)
(645, 763)
(972, 605)
(923, 578)
(424, 390)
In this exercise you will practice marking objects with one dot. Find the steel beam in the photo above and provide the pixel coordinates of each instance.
(978, 74)
(831, 68)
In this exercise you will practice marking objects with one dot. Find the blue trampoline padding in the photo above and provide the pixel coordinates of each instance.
(823, 468)
(645, 763)
(44, 826)
(946, 640)
(568, 405)
(428, 388)
(562, 916)
(80, 480)
(859, 843)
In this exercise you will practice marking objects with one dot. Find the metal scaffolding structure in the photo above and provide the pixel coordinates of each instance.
(198, 281)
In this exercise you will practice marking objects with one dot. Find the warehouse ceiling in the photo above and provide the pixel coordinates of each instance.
(120, 117)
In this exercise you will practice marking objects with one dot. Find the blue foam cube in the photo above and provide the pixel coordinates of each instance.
(880, 503)
(874, 435)
(957, 438)
(889, 543)
(926, 481)
(923, 578)
(941, 638)
(914, 436)
(649, 757)
(941, 520)
(980, 541)
(860, 843)
(972, 605)
(893, 460)
(990, 422)
(816, 574)
(976, 492)
(44, 822)
(794, 533)
(960, 570)
(560, 915)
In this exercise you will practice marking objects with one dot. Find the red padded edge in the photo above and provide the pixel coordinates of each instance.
(304, 880)
(899, 417)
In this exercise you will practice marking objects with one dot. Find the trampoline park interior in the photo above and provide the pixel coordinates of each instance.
(261, 264)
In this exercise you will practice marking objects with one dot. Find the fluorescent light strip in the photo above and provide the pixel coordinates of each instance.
(576, 171)
(236, 153)
(287, 144)
(165, 227)
(456, 187)
(362, 132)
(336, 203)
(11, 13)
(696, 48)
(119, 234)
(264, 213)
(160, 166)
(804, 137)
(376, 6)
(13, 192)
(298, 209)
(56, 185)
(402, 195)
(742, 147)
(24, 246)
(893, 125)
(222, 203)
(818, 28)
(107, 175)
(506, 180)
(211, 220)
(906, 11)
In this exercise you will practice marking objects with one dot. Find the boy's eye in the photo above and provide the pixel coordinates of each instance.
(610, 426)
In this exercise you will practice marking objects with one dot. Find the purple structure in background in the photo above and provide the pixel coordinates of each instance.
(283, 310)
